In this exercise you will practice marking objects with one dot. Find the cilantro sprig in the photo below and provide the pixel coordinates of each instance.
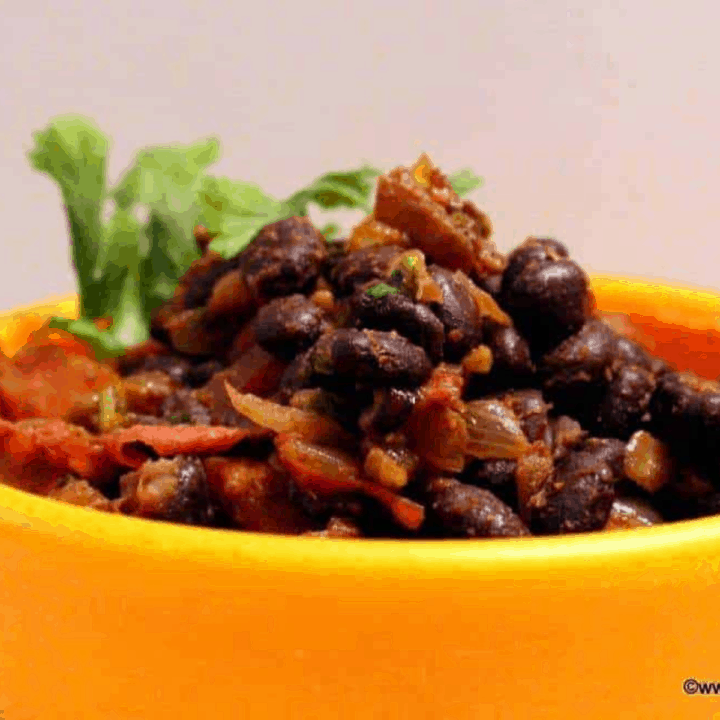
(132, 242)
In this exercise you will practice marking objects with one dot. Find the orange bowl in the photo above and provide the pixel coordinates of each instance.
(105, 617)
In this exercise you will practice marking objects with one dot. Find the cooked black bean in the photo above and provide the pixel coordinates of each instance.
(629, 352)
(610, 451)
(412, 320)
(581, 494)
(512, 364)
(466, 511)
(387, 359)
(367, 513)
(567, 434)
(390, 409)
(573, 373)
(532, 411)
(200, 373)
(175, 366)
(675, 414)
(201, 287)
(689, 494)
(183, 408)
(297, 375)
(458, 313)
(497, 476)
(624, 407)
(360, 267)
(289, 325)
(174, 490)
(284, 258)
(710, 421)
(546, 293)
(491, 283)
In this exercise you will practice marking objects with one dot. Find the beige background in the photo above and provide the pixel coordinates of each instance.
(593, 122)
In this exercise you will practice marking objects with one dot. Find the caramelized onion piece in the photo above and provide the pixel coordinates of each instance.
(629, 513)
(421, 202)
(442, 438)
(534, 476)
(327, 471)
(390, 468)
(486, 305)
(416, 278)
(647, 461)
(288, 420)
(437, 425)
(371, 232)
(494, 431)
(478, 361)
(80, 492)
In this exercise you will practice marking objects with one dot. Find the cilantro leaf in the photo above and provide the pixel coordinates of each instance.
(465, 181)
(127, 267)
(349, 189)
(166, 175)
(381, 290)
(330, 231)
(73, 152)
(221, 197)
(236, 233)
(124, 300)
(236, 211)
(167, 181)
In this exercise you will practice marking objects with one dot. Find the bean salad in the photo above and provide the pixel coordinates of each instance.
(406, 381)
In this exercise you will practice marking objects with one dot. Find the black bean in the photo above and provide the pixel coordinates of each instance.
(284, 258)
(573, 373)
(358, 268)
(710, 421)
(629, 352)
(580, 497)
(202, 284)
(182, 493)
(689, 494)
(532, 411)
(390, 409)
(675, 415)
(191, 503)
(491, 283)
(199, 374)
(458, 314)
(567, 434)
(175, 366)
(368, 356)
(512, 365)
(626, 401)
(546, 293)
(183, 408)
(610, 451)
(398, 312)
(297, 375)
(466, 511)
(497, 476)
(539, 249)
(289, 325)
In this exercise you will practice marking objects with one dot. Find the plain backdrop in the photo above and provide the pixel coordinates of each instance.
(596, 123)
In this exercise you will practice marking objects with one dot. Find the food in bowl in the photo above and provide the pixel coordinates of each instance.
(406, 381)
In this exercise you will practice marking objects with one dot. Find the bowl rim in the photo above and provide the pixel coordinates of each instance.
(22, 511)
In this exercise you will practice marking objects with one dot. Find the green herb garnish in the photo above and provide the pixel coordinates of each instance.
(132, 242)
(381, 290)
(465, 181)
